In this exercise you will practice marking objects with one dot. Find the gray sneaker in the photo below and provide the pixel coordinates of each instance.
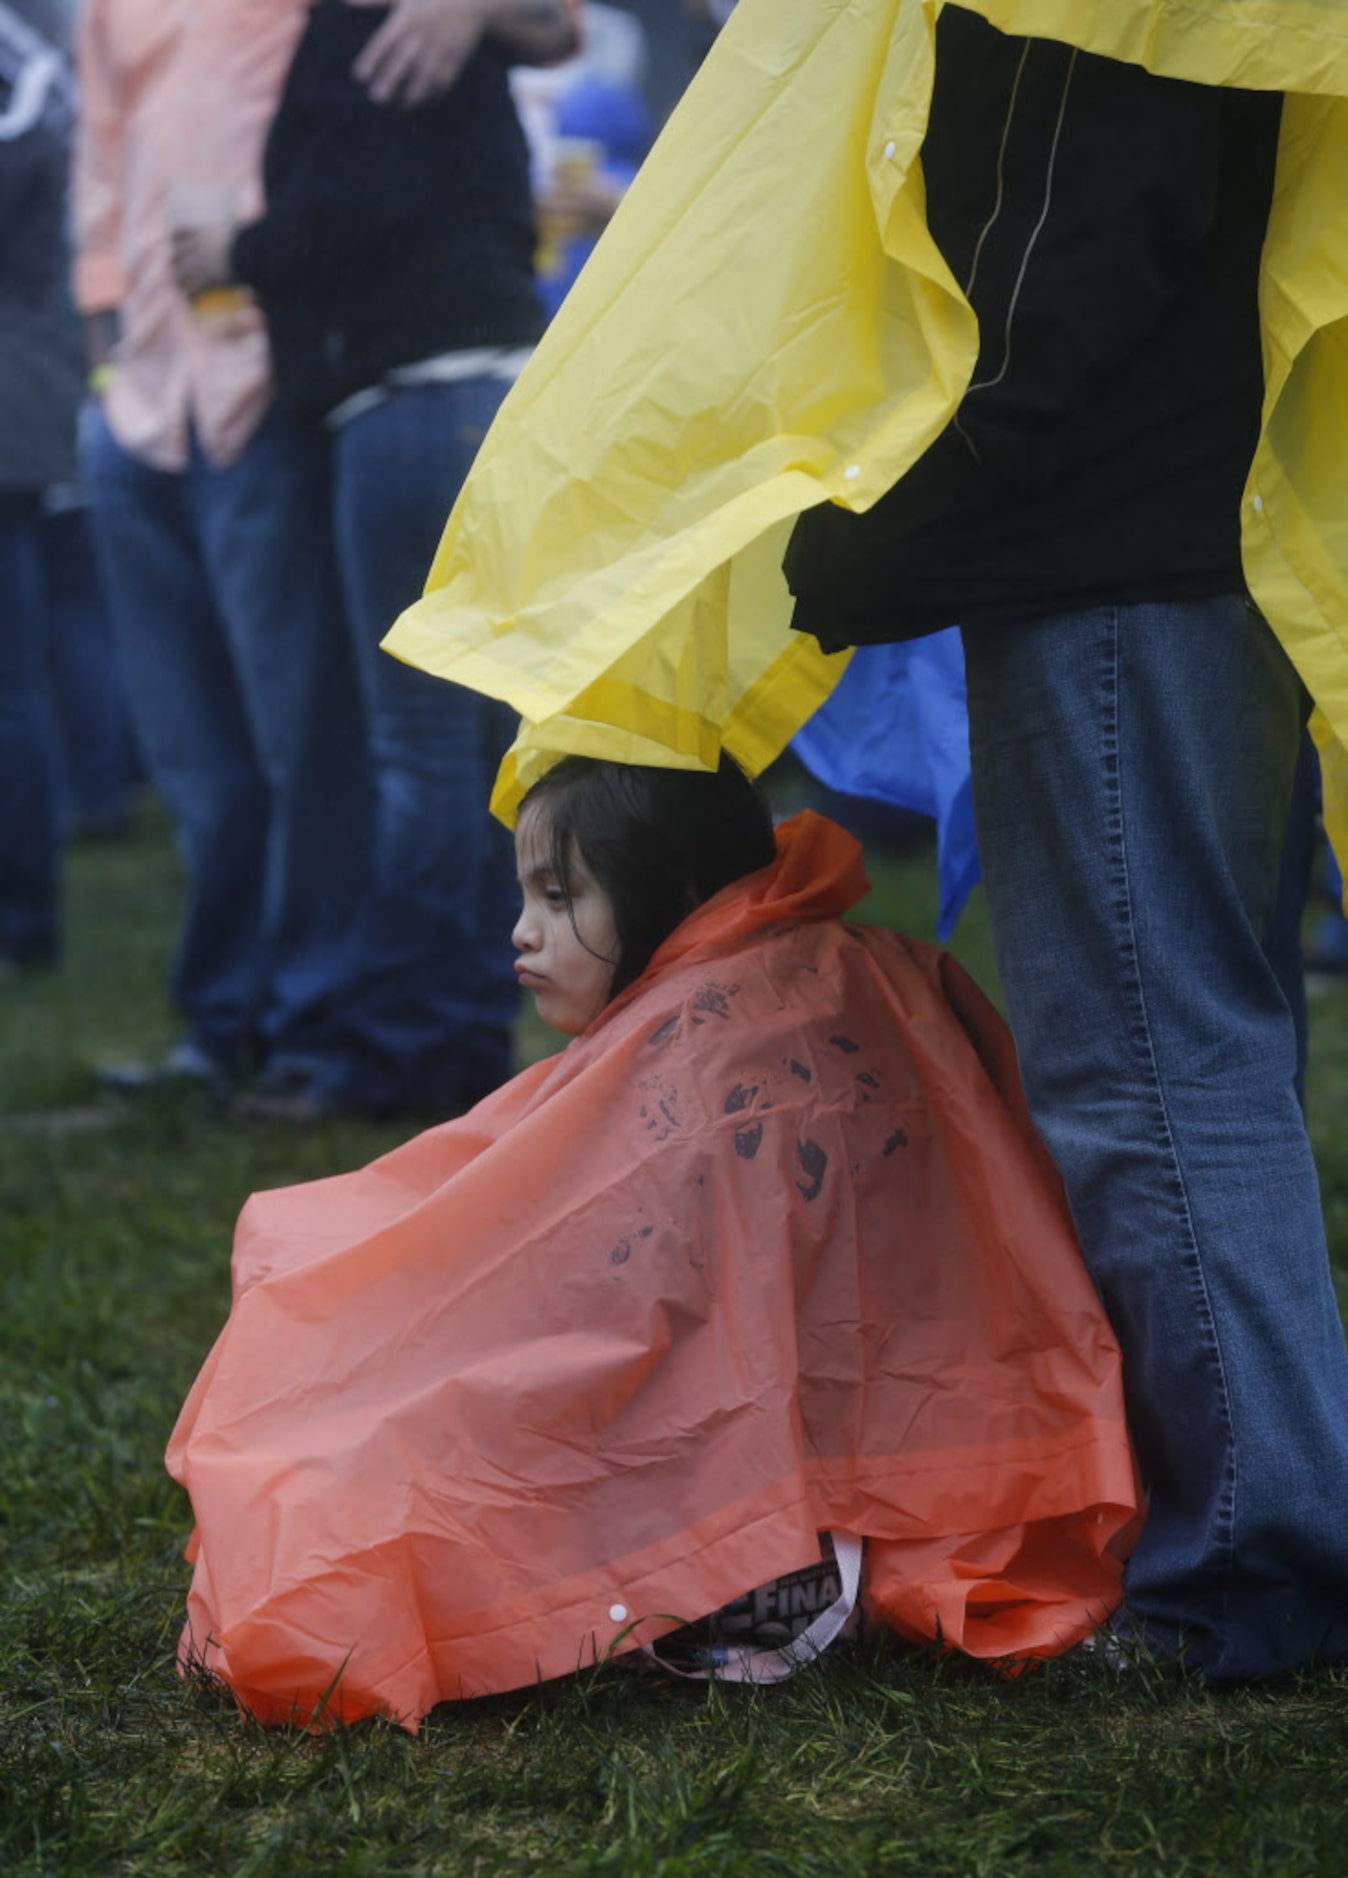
(186, 1065)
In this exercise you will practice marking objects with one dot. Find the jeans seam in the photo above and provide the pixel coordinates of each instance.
(1141, 1033)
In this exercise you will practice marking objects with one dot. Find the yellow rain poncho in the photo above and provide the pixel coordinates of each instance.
(768, 324)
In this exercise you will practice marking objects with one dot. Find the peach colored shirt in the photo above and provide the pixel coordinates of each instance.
(176, 100)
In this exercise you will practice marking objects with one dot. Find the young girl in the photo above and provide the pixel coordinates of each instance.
(769, 1250)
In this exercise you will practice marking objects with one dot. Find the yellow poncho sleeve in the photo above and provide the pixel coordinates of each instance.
(767, 324)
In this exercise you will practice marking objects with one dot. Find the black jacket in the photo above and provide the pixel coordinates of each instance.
(1106, 226)
(389, 235)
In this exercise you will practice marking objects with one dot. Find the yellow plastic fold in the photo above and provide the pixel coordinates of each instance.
(767, 325)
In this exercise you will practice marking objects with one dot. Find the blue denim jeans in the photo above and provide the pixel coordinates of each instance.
(95, 760)
(429, 989)
(1133, 769)
(28, 838)
(224, 600)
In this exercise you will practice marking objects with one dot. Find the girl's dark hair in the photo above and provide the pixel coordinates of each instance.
(657, 841)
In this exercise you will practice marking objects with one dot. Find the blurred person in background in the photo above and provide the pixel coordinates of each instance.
(677, 33)
(394, 264)
(210, 515)
(40, 381)
(211, 512)
(589, 128)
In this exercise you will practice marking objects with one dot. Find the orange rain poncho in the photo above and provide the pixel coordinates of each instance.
(770, 1249)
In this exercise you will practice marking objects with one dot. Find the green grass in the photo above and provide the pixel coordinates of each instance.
(115, 1222)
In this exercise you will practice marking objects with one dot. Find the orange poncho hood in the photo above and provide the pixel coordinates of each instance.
(771, 1249)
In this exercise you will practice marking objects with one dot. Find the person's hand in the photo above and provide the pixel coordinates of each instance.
(577, 204)
(201, 258)
(421, 48)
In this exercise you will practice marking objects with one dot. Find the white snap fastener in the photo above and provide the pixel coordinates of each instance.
(890, 148)
(1258, 505)
(852, 471)
(617, 1612)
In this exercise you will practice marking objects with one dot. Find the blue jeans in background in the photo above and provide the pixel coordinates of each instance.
(29, 854)
(1133, 769)
(96, 762)
(237, 669)
(428, 989)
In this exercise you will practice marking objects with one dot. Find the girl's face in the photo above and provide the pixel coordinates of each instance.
(568, 953)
